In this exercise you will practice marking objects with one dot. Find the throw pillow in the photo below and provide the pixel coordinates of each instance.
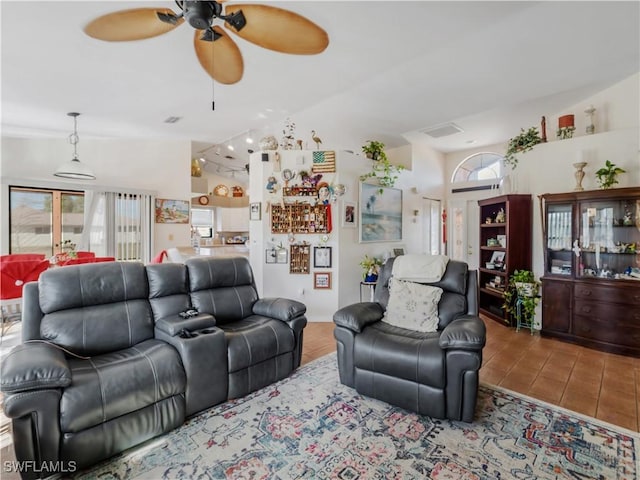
(412, 306)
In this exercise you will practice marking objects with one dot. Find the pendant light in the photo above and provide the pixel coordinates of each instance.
(73, 168)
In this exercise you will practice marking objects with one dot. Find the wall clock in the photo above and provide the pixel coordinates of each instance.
(203, 200)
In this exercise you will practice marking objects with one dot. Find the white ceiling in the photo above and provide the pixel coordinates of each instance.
(391, 69)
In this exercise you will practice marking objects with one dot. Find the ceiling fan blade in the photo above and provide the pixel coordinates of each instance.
(221, 58)
(278, 29)
(134, 24)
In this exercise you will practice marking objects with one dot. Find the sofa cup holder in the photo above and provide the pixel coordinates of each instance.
(187, 334)
(207, 331)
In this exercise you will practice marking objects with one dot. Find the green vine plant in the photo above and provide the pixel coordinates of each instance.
(382, 170)
(524, 287)
(608, 175)
(521, 143)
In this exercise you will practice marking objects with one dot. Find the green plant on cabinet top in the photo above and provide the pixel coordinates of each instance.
(607, 175)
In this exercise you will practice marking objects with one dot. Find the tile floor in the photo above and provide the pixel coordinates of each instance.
(594, 383)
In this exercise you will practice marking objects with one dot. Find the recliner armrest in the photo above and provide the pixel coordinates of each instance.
(466, 332)
(358, 315)
(173, 324)
(34, 366)
(279, 308)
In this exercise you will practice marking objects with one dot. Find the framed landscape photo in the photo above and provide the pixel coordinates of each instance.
(322, 257)
(172, 211)
(322, 280)
(380, 213)
(349, 214)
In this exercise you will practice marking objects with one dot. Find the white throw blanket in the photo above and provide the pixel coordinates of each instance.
(420, 268)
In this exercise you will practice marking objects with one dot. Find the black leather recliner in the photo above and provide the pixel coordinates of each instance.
(263, 336)
(434, 374)
(107, 361)
(89, 380)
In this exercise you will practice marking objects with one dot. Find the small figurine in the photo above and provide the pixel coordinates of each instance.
(500, 216)
(316, 139)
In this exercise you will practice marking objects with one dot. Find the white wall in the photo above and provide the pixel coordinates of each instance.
(424, 180)
(548, 168)
(157, 167)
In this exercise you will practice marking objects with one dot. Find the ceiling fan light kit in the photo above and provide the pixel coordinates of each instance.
(73, 169)
(269, 27)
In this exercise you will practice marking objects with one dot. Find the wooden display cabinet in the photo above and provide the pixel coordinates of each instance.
(300, 218)
(505, 246)
(591, 284)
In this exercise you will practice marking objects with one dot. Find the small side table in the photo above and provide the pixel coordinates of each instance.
(520, 321)
(372, 289)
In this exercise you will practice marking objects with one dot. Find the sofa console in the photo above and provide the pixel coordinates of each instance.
(114, 354)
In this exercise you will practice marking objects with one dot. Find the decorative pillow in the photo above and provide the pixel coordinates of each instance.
(412, 306)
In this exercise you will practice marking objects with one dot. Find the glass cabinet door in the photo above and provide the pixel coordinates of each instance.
(609, 232)
(559, 239)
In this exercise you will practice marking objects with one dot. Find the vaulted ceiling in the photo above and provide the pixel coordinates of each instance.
(391, 69)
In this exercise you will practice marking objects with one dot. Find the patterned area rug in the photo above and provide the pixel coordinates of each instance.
(309, 426)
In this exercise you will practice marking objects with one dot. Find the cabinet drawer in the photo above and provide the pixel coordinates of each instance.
(605, 329)
(606, 293)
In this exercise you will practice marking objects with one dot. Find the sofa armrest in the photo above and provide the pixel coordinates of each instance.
(174, 324)
(466, 332)
(34, 366)
(280, 308)
(358, 315)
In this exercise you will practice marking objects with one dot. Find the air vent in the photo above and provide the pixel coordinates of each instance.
(172, 119)
(443, 130)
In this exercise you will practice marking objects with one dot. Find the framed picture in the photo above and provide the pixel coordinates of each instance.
(255, 212)
(172, 211)
(497, 257)
(282, 255)
(270, 255)
(276, 255)
(322, 280)
(349, 212)
(380, 213)
(322, 257)
(398, 251)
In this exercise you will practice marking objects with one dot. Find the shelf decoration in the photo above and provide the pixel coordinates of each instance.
(300, 259)
(565, 127)
(523, 142)
(590, 128)
(608, 175)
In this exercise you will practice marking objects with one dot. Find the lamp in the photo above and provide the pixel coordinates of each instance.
(73, 168)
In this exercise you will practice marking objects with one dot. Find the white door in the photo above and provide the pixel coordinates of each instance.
(463, 231)
(431, 226)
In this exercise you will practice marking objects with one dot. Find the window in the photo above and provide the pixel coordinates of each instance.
(41, 219)
(479, 167)
(202, 221)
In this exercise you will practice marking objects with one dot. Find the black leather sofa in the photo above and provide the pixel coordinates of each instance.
(107, 361)
(434, 374)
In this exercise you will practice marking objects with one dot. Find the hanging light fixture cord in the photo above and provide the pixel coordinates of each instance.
(73, 138)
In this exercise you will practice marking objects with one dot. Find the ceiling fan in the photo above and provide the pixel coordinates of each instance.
(269, 27)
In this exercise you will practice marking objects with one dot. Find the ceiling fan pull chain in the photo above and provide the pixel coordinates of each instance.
(213, 83)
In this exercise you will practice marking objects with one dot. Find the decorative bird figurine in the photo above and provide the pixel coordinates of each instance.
(316, 139)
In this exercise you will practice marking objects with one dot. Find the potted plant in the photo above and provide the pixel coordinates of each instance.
(371, 267)
(382, 170)
(523, 142)
(374, 150)
(522, 289)
(607, 175)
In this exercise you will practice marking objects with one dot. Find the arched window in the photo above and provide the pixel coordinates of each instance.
(479, 167)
